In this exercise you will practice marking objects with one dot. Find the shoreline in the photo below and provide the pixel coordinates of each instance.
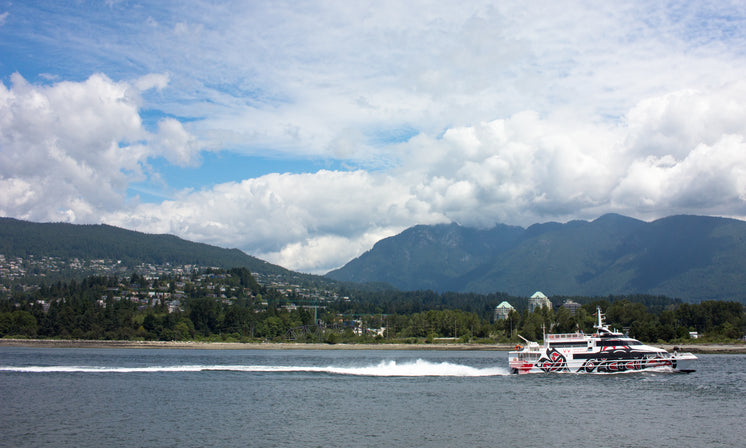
(190, 345)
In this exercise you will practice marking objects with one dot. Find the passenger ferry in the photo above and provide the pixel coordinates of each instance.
(605, 351)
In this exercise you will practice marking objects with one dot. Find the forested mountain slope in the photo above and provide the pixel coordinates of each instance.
(690, 257)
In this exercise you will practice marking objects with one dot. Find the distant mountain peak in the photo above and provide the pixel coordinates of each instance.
(685, 256)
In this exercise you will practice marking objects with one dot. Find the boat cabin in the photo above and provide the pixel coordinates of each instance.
(567, 340)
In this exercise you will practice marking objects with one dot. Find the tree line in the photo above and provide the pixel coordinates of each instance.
(229, 305)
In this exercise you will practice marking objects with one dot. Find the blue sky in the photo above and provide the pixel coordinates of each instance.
(304, 132)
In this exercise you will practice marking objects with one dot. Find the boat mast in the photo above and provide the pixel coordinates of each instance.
(600, 317)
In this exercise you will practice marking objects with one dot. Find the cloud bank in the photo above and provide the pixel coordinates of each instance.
(476, 113)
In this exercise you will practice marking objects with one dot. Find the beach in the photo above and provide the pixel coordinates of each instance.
(191, 345)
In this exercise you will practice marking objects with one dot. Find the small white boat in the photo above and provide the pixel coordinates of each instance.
(605, 351)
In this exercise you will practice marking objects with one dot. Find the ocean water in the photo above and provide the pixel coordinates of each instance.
(360, 398)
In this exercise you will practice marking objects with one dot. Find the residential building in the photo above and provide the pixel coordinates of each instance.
(502, 311)
(537, 301)
(571, 306)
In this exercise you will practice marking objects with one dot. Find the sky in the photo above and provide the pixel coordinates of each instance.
(302, 132)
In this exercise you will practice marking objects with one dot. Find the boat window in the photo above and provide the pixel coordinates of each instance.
(612, 342)
(568, 344)
(528, 356)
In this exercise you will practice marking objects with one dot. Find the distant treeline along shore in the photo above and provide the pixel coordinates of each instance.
(230, 306)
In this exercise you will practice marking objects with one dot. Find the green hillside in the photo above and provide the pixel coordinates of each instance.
(21, 239)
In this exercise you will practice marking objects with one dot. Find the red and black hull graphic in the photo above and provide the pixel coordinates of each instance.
(624, 360)
(554, 361)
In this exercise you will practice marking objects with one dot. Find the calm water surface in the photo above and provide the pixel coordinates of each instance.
(320, 398)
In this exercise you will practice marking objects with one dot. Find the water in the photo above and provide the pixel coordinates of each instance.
(362, 398)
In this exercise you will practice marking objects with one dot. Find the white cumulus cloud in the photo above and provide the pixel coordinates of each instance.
(308, 221)
(70, 150)
(519, 170)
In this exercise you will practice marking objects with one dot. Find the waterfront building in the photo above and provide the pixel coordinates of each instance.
(502, 311)
(537, 301)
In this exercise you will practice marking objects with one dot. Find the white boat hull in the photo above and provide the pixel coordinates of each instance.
(605, 351)
(609, 361)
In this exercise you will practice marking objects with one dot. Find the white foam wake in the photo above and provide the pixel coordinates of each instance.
(418, 368)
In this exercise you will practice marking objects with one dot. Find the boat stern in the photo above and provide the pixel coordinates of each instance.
(518, 364)
(523, 359)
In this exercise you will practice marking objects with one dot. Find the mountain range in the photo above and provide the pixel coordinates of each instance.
(687, 257)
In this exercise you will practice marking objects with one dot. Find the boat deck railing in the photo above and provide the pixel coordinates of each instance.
(565, 336)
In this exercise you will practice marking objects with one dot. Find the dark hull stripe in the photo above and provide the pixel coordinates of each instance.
(615, 355)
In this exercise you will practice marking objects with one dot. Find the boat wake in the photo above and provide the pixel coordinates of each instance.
(418, 368)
